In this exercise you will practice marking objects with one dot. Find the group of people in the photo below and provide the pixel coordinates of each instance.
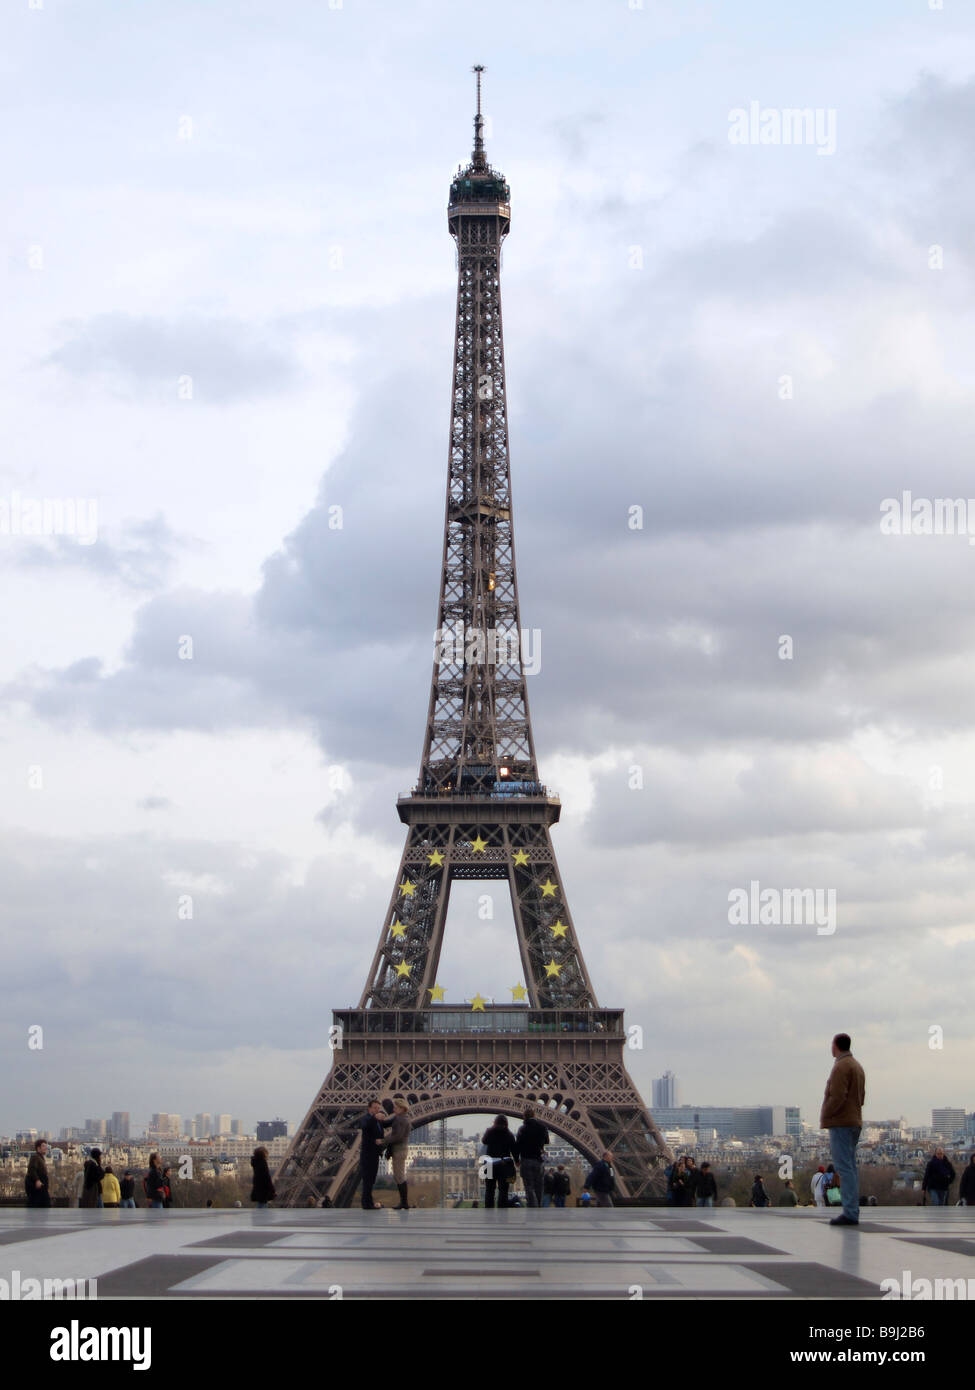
(690, 1186)
(506, 1154)
(100, 1187)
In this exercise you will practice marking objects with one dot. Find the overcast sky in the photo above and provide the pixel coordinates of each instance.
(229, 305)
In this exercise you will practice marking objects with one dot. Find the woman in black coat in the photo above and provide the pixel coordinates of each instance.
(91, 1192)
(263, 1190)
(938, 1177)
(502, 1152)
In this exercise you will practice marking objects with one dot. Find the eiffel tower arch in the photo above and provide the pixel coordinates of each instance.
(478, 811)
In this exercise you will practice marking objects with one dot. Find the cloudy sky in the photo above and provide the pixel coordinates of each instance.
(229, 310)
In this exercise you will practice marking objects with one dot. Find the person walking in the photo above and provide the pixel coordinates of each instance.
(788, 1196)
(842, 1115)
(91, 1192)
(938, 1177)
(262, 1190)
(760, 1197)
(502, 1155)
(111, 1192)
(154, 1183)
(966, 1188)
(818, 1186)
(127, 1189)
(532, 1139)
(372, 1133)
(602, 1180)
(37, 1182)
(398, 1141)
(706, 1189)
(563, 1186)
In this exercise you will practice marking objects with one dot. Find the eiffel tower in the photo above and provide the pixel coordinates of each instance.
(478, 811)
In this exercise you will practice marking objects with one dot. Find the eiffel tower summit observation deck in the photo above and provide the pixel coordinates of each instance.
(478, 811)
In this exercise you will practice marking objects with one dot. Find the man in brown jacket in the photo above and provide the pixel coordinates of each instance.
(842, 1115)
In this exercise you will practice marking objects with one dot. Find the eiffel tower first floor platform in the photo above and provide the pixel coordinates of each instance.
(445, 1060)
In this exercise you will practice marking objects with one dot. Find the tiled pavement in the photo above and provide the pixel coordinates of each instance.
(653, 1253)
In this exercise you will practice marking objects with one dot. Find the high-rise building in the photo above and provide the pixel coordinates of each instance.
(732, 1121)
(235, 1126)
(223, 1124)
(272, 1129)
(665, 1092)
(119, 1125)
(204, 1125)
(948, 1121)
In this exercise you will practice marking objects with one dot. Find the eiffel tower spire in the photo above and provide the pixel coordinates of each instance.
(478, 811)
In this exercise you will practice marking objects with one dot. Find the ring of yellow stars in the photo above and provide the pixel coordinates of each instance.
(518, 992)
(549, 888)
(397, 929)
(552, 969)
(407, 888)
(558, 928)
(521, 858)
(402, 968)
(477, 1004)
(435, 859)
(435, 993)
(479, 845)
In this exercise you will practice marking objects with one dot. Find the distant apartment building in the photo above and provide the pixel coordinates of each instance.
(665, 1095)
(271, 1129)
(204, 1125)
(119, 1125)
(223, 1124)
(948, 1121)
(731, 1121)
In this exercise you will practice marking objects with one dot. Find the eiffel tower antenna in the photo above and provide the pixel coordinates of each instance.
(479, 811)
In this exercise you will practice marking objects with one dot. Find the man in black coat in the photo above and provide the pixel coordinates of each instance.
(369, 1153)
(37, 1181)
(532, 1139)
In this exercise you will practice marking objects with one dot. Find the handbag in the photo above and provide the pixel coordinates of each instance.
(504, 1168)
(834, 1197)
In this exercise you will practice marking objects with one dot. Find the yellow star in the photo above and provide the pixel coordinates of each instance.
(435, 993)
(518, 992)
(402, 968)
(435, 859)
(558, 928)
(477, 1003)
(407, 887)
(521, 858)
(552, 969)
(478, 845)
(549, 888)
(397, 929)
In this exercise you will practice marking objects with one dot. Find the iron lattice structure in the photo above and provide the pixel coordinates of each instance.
(478, 811)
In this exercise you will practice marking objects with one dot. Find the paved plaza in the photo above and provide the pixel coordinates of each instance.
(473, 1253)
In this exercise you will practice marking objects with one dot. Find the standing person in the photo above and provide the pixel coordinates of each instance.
(168, 1181)
(563, 1185)
(91, 1192)
(154, 1183)
(706, 1189)
(111, 1192)
(966, 1188)
(532, 1138)
(680, 1183)
(789, 1197)
(692, 1179)
(548, 1187)
(128, 1189)
(602, 1180)
(842, 1115)
(398, 1140)
(37, 1182)
(818, 1186)
(760, 1197)
(502, 1153)
(372, 1133)
(938, 1177)
(262, 1191)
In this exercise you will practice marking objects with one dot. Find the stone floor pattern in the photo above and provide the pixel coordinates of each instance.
(570, 1253)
